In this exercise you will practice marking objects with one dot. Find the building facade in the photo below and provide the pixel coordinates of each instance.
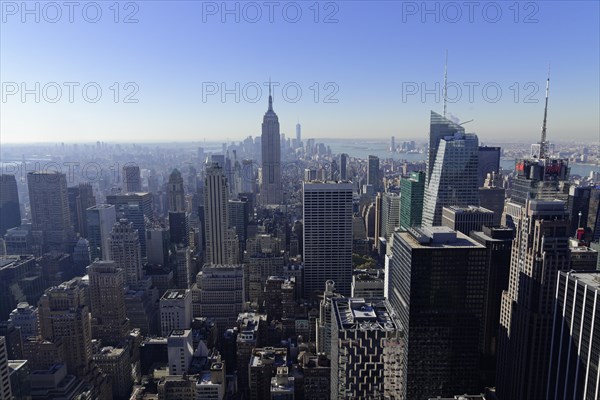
(327, 236)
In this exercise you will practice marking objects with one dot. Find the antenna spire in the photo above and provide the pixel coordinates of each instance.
(270, 96)
(544, 142)
(445, 83)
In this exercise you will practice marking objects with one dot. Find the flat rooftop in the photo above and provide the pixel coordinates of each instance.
(174, 294)
(357, 313)
(591, 278)
(438, 236)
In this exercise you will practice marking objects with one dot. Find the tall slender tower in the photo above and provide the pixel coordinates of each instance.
(176, 193)
(298, 133)
(538, 177)
(270, 190)
(216, 219)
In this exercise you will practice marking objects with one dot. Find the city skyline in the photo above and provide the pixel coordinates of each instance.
(409, 226)
(177, 97)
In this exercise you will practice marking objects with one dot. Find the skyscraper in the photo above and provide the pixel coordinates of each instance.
(271, 189)
(5, 392)
(216, 219)
(100, 221)
(412, 190)
(540, 250)
(390, 214)
(453, 177)
(107, 301)
(179, 228)
(492, 196)
(175, 192)
(498, 244)
(135, 207)
(323, 325)
(537, 178)
(488, 162)
(85, 199)
(50, 209)
(221, 293)
(365, 347)
(298, 133)
(132, 180)
(238, 220)
(439, 127)
(573, 372)
(436, 287)
(540, 179)
(125, 251)
(327, 236)
(65, 316)
(344, 166)
(10, 213)
(373, 177)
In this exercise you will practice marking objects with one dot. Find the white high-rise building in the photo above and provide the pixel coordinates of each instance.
(271, 189)
(175, 310)
(453, 180)
(180, 350)
(125, 251)
(100, 221)
(216, 221)
(327, 236)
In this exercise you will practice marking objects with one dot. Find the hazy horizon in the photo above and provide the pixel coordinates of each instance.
(155, 70)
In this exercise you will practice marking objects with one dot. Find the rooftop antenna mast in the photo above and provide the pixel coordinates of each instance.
(445, 83)
(543, 142)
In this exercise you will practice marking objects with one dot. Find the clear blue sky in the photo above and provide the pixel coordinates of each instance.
(373, 54)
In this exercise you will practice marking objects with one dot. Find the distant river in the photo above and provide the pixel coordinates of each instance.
(363, 149)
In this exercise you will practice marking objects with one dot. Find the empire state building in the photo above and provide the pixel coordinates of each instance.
(270, 188)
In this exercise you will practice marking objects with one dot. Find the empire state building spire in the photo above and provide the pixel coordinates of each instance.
(270, 97)
(271, 189)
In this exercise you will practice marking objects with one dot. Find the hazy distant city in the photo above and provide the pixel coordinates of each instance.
(178, 223)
